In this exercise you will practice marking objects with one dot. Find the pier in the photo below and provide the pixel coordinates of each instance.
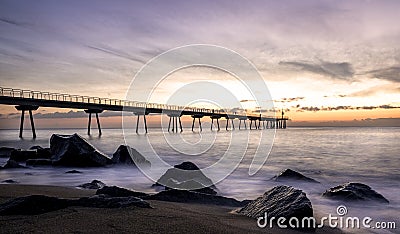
(28, 100)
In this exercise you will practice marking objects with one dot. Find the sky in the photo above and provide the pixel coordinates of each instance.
(336, 62)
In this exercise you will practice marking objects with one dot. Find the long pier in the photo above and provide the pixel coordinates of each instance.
(28, 100)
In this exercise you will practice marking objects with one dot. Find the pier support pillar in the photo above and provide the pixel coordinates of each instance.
(175, 119)
(240, 123)
(197, 116)
(23, 108)
(216, 117)
(90, 112)
(138, 114)
(227, 124)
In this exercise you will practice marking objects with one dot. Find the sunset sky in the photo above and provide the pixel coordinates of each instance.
(323, 61)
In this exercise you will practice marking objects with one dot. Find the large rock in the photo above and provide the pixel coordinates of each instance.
(23, 155)
(9, 181)
(280, 201)
(354, 192)
(73, 150)
(31, 205)
(42, 152)
(95, 184)
(186, 176)
(184, 196)
(12, 164)
(5, 152)
(73, 172)
(104, 201)
(291, 175)
(114, 191)
(129, 156)
(39, 162)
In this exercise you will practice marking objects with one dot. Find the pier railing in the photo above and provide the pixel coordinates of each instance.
(49, 96)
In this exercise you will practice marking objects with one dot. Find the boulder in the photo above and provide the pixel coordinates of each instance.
(74, 151)
(104, 201)
(291, 175)
(95, 184)
(129, 156)
(5, 152)
(190, 184)
(114, 191)
(354, 192)
(31, 205)
(12, 164)
(73, 172)
(10, 181)
(186, 176)
(41, 152)
(280, 201)
(184, 196)
(23, 155)
(39, 162)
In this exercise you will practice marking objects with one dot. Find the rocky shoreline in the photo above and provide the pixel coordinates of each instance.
(74, 151)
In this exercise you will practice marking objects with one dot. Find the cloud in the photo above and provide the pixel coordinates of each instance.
(13, 22)
(389, 73)
(380, 122)
(341, 70)
(336, 108)
(115, 52)
(292, 99)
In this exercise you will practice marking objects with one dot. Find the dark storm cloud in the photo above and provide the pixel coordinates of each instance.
(343, 70)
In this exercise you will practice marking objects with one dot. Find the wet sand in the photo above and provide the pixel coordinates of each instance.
(165, 217)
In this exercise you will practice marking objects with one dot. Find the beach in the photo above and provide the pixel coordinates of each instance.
(164, 217)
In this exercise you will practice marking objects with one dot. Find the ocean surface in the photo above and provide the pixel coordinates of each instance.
(332, 155)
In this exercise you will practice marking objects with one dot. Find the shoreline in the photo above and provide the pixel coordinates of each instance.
(165, 217)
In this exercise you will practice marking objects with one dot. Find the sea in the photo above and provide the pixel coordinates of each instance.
(330, 155)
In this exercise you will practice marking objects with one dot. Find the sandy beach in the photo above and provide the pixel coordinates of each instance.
(164, 217)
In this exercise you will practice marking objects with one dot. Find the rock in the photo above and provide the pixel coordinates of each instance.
(42, 152)
(188, 166)
(104, 201)
(290, 175)
(39, 162)
(354, 192)
(186, 176)
(73, 172)
(9, 181)
(5, 152)
(114, 191)
(12, 164)
(129, 156)
(31, 205)
(95, 184)
(280, 201)
(191, 184)
(185, 196)
(23, 155)
(73, 150)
